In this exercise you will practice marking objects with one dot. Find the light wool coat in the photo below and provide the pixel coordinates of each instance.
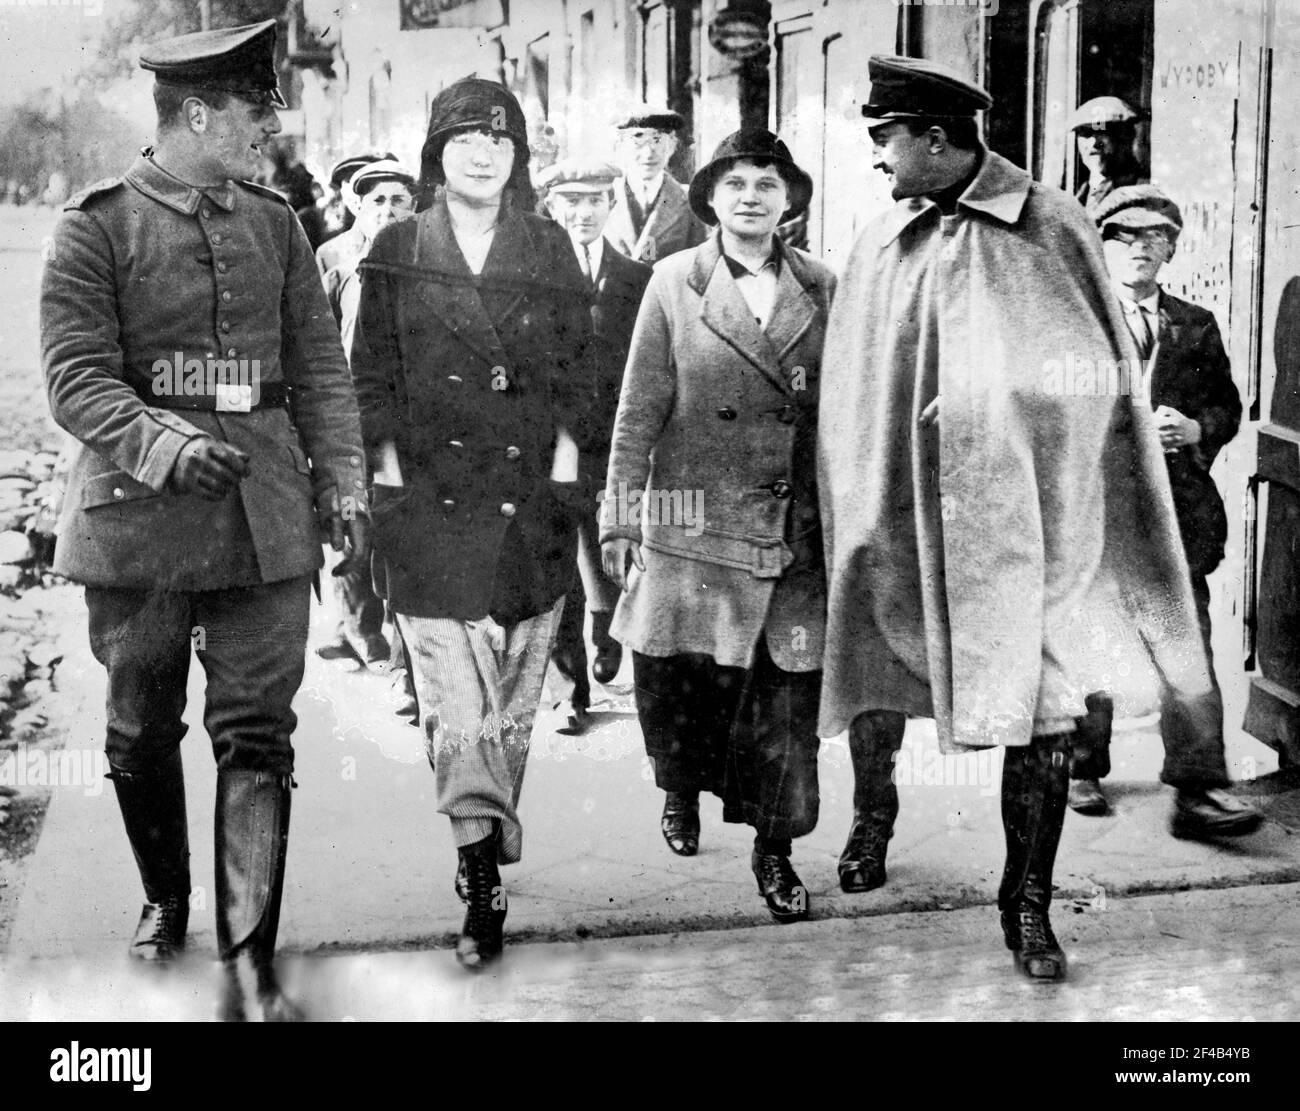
(992, 572)
(715, 409)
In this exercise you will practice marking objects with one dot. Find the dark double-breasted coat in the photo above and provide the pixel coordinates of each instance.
(720, 415)
(470, 377)
(144, 270)
(1190, 372)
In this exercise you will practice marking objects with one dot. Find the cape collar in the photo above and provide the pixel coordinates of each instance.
(153, 181)
(999, 190)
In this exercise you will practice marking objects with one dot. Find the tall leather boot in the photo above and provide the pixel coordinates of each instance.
(1035, 782)
(481, 936)
(874, 740)
(252, 840)
(609, 653)
(153, 812)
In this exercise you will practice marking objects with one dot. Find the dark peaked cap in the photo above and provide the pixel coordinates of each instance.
(902, 87)
(238, 60)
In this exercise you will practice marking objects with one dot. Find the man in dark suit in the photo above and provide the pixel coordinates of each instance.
(188, 346)
(1187, 379)
(579, 196)
(651, 218)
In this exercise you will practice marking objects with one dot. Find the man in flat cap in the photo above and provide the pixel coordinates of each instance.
(982, 524)
(651, 218)
(188, 346)
(579, 194)
(1186, 378)
(1104, 128)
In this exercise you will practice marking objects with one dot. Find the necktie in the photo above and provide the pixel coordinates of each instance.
(1141, 329)
(588, 267)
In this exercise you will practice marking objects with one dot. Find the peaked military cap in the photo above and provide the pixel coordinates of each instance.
(238, 60)
(345, 168)
(382, 169)
(588, 175)
(660, 117)
(908, 87)
(1139, 206)
(1101, 113)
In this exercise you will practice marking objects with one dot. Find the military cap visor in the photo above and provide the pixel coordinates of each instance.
(236, 60)
(903, 88)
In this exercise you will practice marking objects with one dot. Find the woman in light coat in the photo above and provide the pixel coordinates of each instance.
(710, 519)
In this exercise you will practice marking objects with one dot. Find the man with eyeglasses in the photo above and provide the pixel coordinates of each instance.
(652, 218)
(188, 346)
(1186, 378)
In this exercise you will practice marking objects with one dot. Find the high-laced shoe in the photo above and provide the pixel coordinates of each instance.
(160, 934)
(1028, 933)
(780, 886)
(681, 822)
(862, 863)
(481, 936)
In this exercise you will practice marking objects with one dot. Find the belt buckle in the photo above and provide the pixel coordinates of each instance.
(234, 397)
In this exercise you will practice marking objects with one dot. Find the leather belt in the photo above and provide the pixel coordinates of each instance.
(272, 395)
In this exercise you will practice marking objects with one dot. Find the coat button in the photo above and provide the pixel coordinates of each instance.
(225, 295)
(726, 413)
(225, 325)
(216, 237)
(222, 267)
(118, 492)
(781, 489)
(230, 354)
(786, 414)
(507, 509)
(513, 453)
(455, 444)
(454, 378)
(449, 504)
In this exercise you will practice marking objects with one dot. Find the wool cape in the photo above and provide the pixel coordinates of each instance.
(991, 571)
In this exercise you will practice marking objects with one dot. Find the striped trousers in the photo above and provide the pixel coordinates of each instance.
(477, 707)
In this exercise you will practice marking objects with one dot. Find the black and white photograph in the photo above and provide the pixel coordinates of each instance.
(651, 511)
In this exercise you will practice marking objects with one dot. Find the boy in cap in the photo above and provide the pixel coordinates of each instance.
(579, 194)
(651, 218)
(976, 521)
(1186, 377)
(345, 243)
(1104, 128)
(192, 514)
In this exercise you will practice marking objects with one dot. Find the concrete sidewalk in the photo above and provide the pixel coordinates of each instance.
(371, 863)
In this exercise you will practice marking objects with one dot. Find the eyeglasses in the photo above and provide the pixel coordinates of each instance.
(643, 139)
(476, 141)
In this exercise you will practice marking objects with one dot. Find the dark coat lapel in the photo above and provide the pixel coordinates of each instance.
(454, 296)
(793, 313)
(1169, 339)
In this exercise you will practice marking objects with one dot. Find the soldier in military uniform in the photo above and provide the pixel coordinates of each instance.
(188, 346)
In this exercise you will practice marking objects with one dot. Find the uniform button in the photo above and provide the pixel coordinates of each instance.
(230, 354)
(507, 509)
(354, 461)
(455, 378)
(786, 414)
(513, 453)
(225, 295)
(455, 444)
(118, 492)
(726, 413)
(223, 267)
(448, 503)
(225, 325)
(216, 237)
(781, 489)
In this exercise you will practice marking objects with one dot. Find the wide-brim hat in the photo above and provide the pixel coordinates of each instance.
(907, 88)
(474, 102)
(237, 60)
(760, 145)
(1134, 207)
